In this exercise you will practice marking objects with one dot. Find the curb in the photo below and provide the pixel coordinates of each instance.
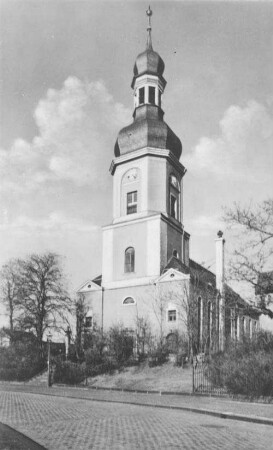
(114, 389)
(139, 391)
(221, 415)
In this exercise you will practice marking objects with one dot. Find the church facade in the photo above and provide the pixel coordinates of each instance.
(147, 274)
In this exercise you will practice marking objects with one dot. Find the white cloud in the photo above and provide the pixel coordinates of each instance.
(77, 128)
(55, 222)
(52, 187)
(243, 148)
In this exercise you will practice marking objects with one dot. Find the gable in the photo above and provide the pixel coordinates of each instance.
(172, 275)
(89, 286)
(177, 264)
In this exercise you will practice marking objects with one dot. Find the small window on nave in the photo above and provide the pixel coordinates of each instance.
(88, 322)
(172, 315)
(128, 301)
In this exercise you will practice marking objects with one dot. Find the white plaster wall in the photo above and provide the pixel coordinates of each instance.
(146, 306)
(153, 247)
(93, 301)
(156, 186)
(107, 255)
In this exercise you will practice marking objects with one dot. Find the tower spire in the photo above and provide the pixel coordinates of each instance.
(149, 13)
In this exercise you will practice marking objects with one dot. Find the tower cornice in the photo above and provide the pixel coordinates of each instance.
(148, 151)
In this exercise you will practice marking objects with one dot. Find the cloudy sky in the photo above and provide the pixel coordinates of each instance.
(66, 70)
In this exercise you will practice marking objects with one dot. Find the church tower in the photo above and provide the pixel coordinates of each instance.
(147, 228)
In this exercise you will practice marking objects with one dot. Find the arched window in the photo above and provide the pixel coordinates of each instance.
(236, 325)
(200, 323)
(129, 263)
(209, 324)
(174, 182)
(174, 197)
(129, 301)
(244, 326)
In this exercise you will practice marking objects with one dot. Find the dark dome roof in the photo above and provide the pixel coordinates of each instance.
(149, 62)
(147, 131)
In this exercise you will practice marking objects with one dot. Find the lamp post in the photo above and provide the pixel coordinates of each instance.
(67, 341)
(49, 338)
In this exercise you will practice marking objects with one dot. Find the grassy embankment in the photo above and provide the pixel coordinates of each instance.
(161, 378)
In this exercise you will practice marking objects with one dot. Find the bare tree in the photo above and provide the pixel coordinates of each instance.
(144, 336)
(253, 226)
(159, 309)
(183, 297)
(10, 289)
(80, 310)
(42, 295)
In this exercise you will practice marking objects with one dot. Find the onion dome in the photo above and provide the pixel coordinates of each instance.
(149, 62)
(147, 130)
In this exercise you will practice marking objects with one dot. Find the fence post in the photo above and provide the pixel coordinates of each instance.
(193, 375)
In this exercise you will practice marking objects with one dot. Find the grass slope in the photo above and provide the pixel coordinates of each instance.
(162, 378)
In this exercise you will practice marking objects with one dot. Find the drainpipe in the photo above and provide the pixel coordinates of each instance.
(102, 308)
(220, 280)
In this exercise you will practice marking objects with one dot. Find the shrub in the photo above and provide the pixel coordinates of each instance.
(20, 361)
(69, 373)
(106, 366)
(121, 344)
(93, 357)
(246, 368)
(252, 375)
(158, 356)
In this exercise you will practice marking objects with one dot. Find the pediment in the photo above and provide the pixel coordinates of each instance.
(172, 275)
(89, 286)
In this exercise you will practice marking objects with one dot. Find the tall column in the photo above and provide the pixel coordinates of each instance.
(220, 280)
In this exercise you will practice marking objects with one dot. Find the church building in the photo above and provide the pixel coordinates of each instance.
(147, 274)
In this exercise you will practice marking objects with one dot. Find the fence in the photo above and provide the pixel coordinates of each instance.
(204, 381)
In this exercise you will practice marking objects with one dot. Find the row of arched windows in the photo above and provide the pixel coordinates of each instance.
(200, 323)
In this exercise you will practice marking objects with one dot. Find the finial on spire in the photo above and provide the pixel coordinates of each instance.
(149, 13)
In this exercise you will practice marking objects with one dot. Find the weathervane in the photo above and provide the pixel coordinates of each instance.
(149, 13)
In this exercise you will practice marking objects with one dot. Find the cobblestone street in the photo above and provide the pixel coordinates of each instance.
(62, 423)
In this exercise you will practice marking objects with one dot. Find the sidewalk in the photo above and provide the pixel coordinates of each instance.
(218, 407)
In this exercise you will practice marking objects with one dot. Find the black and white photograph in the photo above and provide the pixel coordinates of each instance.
(136, 225)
